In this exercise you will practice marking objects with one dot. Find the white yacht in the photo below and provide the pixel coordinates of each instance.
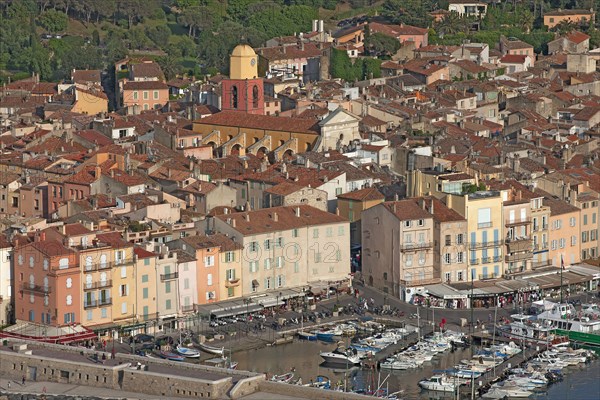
(440, 383)
(339, 357)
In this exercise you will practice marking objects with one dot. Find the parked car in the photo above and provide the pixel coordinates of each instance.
(143, 338)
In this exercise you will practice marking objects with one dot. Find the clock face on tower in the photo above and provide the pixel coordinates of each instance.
(253, 62)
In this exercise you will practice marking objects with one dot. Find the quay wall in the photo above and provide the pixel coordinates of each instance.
(285, 389)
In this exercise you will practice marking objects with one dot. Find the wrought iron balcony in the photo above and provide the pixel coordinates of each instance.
(107, 265)
(35, 289)
(517, 222)
(97, 285)
(483, 245)
(485, 260)
(518, 257)
(168, 277)
(415, 246)
(474, 261)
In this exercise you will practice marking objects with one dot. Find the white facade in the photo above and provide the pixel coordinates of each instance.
(6, 290)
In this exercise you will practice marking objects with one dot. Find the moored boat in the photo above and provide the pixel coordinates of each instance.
(339, 357)
(187, 352)
(284, 378)
(439, 383)
(211, 349)
(170, 356)
(307, 336)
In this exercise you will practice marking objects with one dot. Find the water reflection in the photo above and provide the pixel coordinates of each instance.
(304, 357)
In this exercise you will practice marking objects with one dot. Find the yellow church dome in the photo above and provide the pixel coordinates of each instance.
(243, 50)
(243, 63)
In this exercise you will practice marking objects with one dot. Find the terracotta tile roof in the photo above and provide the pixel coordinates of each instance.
(137, 200)
(55, 145)
(470, 66)
(52, 248)
(216, 240)
(369, 120)
(86, 176)
(513, 59)
(143, 253)
(145, 85)
(76, 230)
(409, 209)
(113, 239)
(396, 30)
(8, 177)
(284, 188)
(366, 194)
(45, 88)
(95, 92)
(587, 113)
(277, 219)
(86, 76)
(199, 187)
(577, 37)
(93, 136)
(309, 50)
(126, 179)
(557, 207)
(559, 13)
(299, 175)
(146, 70)
(252, 121)
(441, 213)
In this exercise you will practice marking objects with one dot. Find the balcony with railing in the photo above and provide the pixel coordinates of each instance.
(90, 304)
(483, 245)
(105, 302)
(485, 260)
(415, 246)
(518, 244)
(107, 265)
(35, 289)
(517, 222)
(538, 247)
(190, 308)
(497, 258)
(419, 282)
(518, 257)
(169, 277)
(483, 277)
(97, 285)
(474, 261)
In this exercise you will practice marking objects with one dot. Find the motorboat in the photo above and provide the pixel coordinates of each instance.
(328, 335)
(439, 383)
(511, 390)
(322, 382)
(285, 378)
(307, 336)
(187, 352)
(498, 393)
(170, 356)
(340, 357)
(211, 349)
(397, 364)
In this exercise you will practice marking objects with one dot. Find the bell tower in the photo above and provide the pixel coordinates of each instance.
(244, 90)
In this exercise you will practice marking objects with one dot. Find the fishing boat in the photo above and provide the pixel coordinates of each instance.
(211, 349)
(187, 352)
(285, 378)
(340, 357)
(170, 356)
(307, 336)
(439, 383)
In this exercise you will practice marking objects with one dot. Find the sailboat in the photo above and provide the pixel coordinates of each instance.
(305, 335)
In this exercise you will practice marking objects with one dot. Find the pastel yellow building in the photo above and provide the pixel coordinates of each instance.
(564, 230)
(146, 287)
(90, 101)
(485, 231)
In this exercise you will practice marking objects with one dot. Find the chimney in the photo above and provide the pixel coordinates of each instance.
(321, 26)
(297, 211)
(275, 217)
(315, 25)
(247, 217)
(337, 211)
(233, 222)
(395, 196)
(112, 173)
(431, 207)
(43, 236)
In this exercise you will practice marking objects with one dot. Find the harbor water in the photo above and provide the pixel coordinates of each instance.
(304, 357)
(580, 383)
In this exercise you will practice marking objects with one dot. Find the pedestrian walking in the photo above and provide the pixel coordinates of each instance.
(44, 389)
(23, 380)
(8, 384)
(490, 317)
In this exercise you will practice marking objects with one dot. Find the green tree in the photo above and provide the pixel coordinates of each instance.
(379, 44)
(410, 12)
(169, 67)
(53, 21)
(159, 34)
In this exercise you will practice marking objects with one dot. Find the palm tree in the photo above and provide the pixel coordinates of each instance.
(565, 27)
(451, 24)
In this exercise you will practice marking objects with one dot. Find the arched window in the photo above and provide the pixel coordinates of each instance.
(255, 96)
(234, 97)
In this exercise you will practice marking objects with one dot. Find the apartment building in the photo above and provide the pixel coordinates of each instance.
(352, 204)
(449, 242)
(167, 294)
(218, 265)
(188, 293)
(47, 283)
(540, 217)
(397, 246)
(564, 232)
(484, 213)
(288, 247)
(6, 281)
(588, 204)
(518, 229)
(146, 286)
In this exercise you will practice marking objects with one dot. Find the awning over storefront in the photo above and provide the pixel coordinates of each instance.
(238, 310)
(517, 285)
(133, 327)
(545, 281)
(443, 291)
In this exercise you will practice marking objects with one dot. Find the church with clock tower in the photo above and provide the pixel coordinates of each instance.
(244, 90)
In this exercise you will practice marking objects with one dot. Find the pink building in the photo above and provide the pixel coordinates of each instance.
(404, 33)
(47, 282)
(147, 95)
